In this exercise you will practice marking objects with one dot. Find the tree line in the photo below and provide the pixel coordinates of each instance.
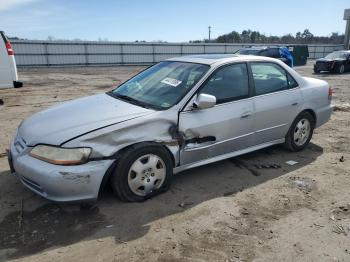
(249, 36)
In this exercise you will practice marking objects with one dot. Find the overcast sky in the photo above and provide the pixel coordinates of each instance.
(172, 21)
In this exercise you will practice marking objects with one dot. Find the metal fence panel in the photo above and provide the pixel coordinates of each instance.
(103, 49)
(193, 49)
(104, 59)
(139, 59)
(61, 53)
(215, 49)
(65, 49)
(161, 57)
(168, 49)
(24, 48)
(31, 60)
(232, 48)
(67, 60)
(137, 49)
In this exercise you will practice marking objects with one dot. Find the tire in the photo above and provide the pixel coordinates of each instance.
(300, 132)
(142, 172)
(340, 69)
(316, 70)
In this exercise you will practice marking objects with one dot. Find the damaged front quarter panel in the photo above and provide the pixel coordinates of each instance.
(159, 127)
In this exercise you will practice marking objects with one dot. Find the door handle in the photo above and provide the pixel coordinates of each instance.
(295, 103)
(245, 115)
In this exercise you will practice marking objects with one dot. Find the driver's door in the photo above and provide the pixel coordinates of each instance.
(225, 127)
(347, 63)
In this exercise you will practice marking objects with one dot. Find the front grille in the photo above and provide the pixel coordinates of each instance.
(323, 66)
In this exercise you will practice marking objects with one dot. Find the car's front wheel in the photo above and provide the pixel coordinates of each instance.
(316, 70)
(141, 173)
(340, 69)
(300, 133)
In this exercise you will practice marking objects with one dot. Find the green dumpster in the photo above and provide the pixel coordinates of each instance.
(300, 54)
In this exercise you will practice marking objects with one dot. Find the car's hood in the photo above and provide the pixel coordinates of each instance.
(329, 60)
(62, 122)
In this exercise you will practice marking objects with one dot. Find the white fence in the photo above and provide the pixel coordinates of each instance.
(65, 53)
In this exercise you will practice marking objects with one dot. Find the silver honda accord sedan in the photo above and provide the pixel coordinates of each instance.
(178, 114)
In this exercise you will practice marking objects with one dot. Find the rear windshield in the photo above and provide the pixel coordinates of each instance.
(336, 55)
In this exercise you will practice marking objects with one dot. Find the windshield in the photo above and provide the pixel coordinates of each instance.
(162, 85)
(336, 55)
(249, 51)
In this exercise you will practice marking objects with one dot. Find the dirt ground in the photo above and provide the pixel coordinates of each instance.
(227, 211)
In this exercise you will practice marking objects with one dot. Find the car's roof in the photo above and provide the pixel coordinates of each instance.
(255, 48)
(210, 59)
(342, 51)
(260, 47)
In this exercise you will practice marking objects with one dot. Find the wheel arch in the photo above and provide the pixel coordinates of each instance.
(312, 112)
(308, 110)
(120, 152)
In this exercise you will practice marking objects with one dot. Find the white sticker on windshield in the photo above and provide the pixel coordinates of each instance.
(171, 81)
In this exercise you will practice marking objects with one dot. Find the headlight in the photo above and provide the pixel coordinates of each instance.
(61, 156)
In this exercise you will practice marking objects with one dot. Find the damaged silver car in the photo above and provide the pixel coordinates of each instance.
(178, 114)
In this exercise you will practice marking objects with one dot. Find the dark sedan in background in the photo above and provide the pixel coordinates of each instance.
(336, 62)
(281, 53)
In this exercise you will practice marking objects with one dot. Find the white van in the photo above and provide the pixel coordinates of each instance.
(8, 70)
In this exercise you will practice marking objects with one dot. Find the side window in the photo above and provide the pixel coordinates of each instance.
(268, 78)
(228, 83)
(291, 82)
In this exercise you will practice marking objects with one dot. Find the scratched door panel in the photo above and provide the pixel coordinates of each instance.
(215, 131)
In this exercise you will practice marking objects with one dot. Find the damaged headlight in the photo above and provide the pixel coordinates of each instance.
(61, 156)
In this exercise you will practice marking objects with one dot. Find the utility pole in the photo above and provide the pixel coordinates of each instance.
(347, 29)
(209, 29)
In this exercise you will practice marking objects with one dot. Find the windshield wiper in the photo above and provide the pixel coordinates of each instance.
(129, 99)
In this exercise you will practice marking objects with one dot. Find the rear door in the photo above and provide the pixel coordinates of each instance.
(224, 128)
(277, 101)
(8, 71)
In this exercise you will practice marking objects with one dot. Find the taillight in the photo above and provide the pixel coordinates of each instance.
(9, 48)
(330, 93)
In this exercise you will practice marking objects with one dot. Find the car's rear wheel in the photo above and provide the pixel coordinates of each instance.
(300, 133)
(142, 173)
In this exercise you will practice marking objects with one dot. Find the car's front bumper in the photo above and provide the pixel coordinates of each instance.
(58, 183)
(324, 66)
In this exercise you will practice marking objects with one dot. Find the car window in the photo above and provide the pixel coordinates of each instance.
(228, 83)
(269, 77)
(291, 81)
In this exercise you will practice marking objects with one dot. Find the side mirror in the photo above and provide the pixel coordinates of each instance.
(204, 101)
